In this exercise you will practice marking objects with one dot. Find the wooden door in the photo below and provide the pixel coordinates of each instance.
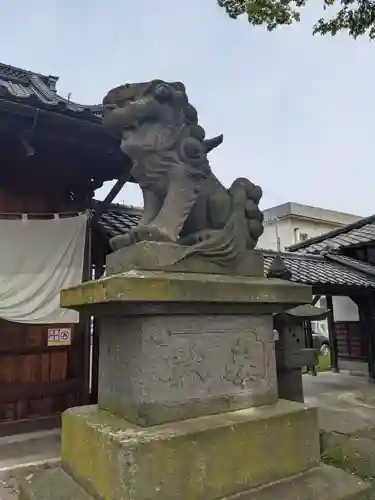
(38, 381)
(352, 340)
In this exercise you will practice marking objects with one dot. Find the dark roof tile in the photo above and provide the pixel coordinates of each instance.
(360, 232)
(38, 90)
(119, 219)
(305, 268)
(313, 270)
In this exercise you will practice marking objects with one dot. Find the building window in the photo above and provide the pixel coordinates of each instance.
(303, 236)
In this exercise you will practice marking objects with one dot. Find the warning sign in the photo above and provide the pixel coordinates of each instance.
(59, 336)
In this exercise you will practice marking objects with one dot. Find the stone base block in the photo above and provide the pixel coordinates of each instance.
(321, 483)
(149, 255)
(205, 458)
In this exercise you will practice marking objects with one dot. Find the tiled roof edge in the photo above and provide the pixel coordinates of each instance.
(120, 207)
(291, 255)
(44, 94)
(27, 72)
(363, 267)
(335, 232)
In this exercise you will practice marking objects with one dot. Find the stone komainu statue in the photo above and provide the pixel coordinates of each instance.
(184, 202)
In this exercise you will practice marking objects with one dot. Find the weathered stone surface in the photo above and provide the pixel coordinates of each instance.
(205, 458)
(155, 369)
(279, 270)
(163, 365)
(355, 454)
(172, 257)
(308, 311)
(347, 426)
(171, 287)
(53, 484)
(321, 483)
(290, 385)
(184, 202)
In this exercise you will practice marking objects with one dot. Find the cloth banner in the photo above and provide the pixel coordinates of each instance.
(37, 259)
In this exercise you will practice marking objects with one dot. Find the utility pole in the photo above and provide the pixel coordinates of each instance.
(278, 241)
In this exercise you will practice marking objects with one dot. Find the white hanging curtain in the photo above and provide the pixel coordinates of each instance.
(37, 259)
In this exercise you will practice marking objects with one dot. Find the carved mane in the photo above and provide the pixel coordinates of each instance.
(184, 202)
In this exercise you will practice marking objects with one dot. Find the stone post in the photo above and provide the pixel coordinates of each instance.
(188, 405)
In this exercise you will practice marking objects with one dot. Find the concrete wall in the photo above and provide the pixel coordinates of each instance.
(308, 212)
(310, 228)
(268, 240)
(290, 230)
(294, 219)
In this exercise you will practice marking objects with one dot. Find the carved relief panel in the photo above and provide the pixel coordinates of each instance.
(208, 356)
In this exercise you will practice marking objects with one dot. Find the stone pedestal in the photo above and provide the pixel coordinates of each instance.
(153, 256)
(188, 404)
(171, 366)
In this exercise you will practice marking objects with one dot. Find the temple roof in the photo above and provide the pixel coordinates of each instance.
(358, 233)
(305, 268)
(318, 269)
(119, 219)
(37, 90)
(34, 118)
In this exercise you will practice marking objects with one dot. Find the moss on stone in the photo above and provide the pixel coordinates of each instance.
(160, 286)
(201, 459)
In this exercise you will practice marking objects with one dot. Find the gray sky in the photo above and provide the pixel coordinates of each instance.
(297, 111)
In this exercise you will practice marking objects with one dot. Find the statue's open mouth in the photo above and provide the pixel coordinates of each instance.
(129, 118)
(131, 127)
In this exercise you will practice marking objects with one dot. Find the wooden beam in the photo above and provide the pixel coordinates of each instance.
(341, 290)
(86, 318)
(315, 300)
(332, 336)
(367, 315)
(122, 180)
(309, 344)
(30, 425)
(20, 390)
(98, 260)
(371, 360)
(15, 108)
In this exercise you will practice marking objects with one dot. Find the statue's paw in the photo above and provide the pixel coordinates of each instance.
(121, 241)
(198, 237)
(253, 214)
(152, 233)
(255, 228)
(253, 211)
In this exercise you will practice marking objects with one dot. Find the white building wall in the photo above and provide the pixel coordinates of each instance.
(290, 230)
(268, 240)
(311, 228)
